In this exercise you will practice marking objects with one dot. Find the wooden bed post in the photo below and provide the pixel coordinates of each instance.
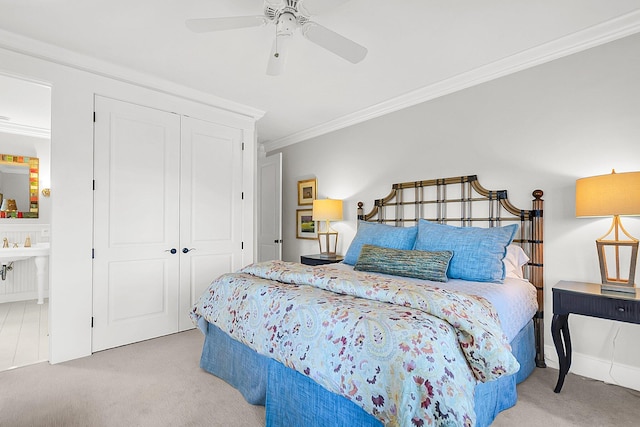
(536, 270)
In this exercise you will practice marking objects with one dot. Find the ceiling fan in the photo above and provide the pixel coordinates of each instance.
(288, 16)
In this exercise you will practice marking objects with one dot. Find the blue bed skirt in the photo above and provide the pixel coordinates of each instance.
(292, 399)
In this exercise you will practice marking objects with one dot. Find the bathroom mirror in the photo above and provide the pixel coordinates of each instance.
(19, 182)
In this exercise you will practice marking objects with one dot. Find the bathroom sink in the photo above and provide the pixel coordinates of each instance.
(8, 255)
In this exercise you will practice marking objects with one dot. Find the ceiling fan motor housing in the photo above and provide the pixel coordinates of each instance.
(285, 14)
(286, 24)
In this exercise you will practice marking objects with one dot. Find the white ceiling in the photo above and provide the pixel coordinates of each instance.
(417, 49)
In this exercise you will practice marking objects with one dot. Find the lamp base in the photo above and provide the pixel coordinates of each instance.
(618, 283)
(330, 240)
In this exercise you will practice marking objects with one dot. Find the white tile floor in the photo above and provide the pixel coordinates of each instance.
(24, 333)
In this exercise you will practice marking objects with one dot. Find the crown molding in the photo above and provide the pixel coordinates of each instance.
(55, 54)
(596, 35)
(25, 130)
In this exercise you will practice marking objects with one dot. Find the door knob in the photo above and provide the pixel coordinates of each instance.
(186, 250)
(172, 250)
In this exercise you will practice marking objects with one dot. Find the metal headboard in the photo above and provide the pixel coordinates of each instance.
(462, 201)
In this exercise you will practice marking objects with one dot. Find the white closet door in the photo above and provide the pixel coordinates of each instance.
(270, 208)
(136, 217)
(210, 208)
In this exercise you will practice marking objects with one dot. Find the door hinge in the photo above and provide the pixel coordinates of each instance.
(241, 245)
(92, 321)
(94, 117)
(94, 185)
(242, 195)
(93, 253)
(243, 146)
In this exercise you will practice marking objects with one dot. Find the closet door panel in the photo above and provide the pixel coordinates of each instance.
(134, 290)
(212, 191)
(136, 217)
(210, 207)
(137, 171)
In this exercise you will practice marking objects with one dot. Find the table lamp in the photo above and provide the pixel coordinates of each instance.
(614, 195)
(8, 205)
(327, 210)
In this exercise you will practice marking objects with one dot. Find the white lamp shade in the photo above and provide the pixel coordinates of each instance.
(327, 210)
(608, 195)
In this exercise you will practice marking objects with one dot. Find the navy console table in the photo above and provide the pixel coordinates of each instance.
(586, 299)
(318, 259)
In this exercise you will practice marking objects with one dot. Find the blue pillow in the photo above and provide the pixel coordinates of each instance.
(477, 252)
(386, 236)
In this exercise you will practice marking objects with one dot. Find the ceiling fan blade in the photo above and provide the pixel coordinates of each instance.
(316, 7)
(278, 55)
(221, 24)
(334, 42)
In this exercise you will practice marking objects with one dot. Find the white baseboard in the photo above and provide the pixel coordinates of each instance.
(598, 369)
(21, 296)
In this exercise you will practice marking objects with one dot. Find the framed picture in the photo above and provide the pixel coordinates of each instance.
(306, 227)
(307, 191)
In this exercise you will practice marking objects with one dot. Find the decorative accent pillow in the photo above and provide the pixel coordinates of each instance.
(514, 260)
(477, 252)
(386, 236)
(399, 262)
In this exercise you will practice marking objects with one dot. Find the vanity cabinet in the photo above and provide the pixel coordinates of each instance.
(168, 208)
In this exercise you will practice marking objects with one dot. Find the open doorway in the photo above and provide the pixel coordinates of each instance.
(25, 158)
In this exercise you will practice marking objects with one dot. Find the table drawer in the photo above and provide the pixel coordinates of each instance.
(597, 306)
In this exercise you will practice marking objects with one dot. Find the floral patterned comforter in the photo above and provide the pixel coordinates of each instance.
(407, 353)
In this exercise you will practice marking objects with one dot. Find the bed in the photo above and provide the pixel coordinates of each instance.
(432, 319)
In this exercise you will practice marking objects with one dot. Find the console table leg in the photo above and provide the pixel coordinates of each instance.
(562, 342)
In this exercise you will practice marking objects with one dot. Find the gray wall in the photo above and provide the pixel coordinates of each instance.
(540, 128)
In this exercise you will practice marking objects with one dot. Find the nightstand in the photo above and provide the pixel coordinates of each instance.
(586, 299)
(318, 260)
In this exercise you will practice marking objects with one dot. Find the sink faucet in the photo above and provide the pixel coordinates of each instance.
(5, 243)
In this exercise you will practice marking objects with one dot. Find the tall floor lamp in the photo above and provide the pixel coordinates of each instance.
(327, 210)
(614, 195)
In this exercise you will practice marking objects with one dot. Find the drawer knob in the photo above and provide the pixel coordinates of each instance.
(621, 309)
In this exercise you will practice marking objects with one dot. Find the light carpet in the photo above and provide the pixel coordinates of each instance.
(159, 383)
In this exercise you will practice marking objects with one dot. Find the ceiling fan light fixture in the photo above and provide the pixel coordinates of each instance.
(286, 24)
